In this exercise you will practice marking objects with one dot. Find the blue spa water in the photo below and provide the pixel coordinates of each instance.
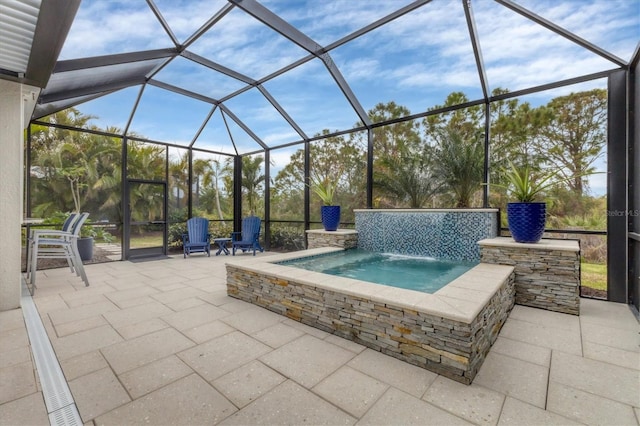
(410, 272)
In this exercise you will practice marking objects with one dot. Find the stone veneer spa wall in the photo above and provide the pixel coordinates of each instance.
(448, 332)
(448, 234)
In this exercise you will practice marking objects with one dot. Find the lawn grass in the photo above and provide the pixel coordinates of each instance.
(594, 275)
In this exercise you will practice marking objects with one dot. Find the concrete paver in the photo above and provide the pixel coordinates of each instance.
(29, 410)
(223, 354)
(588, 408)
(474, 403)
(208, 331)
(351, 390)
(554, 338)
(513, 377)
(161, 343)
(406, 377)
(134, 353)
(97, 393)
(192, 401)
(17, 381)
(523, 351)
(518, 413)
(307, 360)
(85, 341)
(253, 320)
(194, 316)
(271, 409)
(152, 376)
(83, 364)
(596, 377)
(396, 407)
(248, 383)
(277, 335)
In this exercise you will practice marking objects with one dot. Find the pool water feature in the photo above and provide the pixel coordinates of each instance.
(418, 273)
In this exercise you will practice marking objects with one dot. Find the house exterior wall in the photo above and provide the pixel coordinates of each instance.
(11, 160)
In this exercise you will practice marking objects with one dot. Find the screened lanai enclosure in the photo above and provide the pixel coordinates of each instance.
(160, 110)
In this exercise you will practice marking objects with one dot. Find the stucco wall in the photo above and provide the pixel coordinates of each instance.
(11, 143)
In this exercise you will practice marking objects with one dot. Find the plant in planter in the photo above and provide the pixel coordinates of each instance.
(330, 214)
(526, 217)
(88, 234)
(85, 242)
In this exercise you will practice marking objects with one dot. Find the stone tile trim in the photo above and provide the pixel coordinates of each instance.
(547, 274)
(342, 238)
(418, 331)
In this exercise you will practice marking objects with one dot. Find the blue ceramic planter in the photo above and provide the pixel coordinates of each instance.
(526, 221)
(330, 217)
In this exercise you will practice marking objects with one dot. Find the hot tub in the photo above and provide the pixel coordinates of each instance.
(448, 332)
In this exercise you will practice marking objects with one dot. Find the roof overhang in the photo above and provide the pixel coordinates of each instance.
(32, 33)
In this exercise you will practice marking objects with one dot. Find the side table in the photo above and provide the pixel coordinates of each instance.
(222, 245)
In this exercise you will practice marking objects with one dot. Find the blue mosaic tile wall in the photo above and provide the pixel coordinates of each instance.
(450, 235)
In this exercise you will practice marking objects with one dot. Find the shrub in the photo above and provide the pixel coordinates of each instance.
(287, 238)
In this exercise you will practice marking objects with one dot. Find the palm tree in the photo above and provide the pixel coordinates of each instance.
(71, 161)
(202, 172)
(459, 163)
(220, 171)
(179, 177)
(409, 179)
(252, 179)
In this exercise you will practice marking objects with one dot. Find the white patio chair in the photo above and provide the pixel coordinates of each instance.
(67, 227)
(52, 244)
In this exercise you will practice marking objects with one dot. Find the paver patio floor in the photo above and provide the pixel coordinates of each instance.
(161, 343)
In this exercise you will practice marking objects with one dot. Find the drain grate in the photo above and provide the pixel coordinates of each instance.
(67, 416)
(56, 393)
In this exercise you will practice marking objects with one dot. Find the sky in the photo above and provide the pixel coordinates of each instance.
(415, 61)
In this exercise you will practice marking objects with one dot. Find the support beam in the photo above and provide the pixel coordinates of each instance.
(237, 193)
(370, 168)
(475, 43)
(617, 197)
(633, 180)
(115, 59)
(243, 126)
(307, 182)
(287, 30)
(487, 155)
(267, 199)
(563, 32)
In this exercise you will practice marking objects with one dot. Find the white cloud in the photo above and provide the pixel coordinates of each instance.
(113, 27)
(426, 53)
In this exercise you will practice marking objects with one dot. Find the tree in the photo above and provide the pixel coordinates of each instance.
(202, 177)
(575, 135)
(179, 179)
(393, 139)
(513, 128)
(459, 162)
(71, 163)
(409, 179)
(252, 179)
(467, 122)
(216, 173)
(398, 158)
(458, 151)
(145, 161)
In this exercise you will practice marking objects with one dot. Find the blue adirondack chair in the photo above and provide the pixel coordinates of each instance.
(198, 238)
(248, 238)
